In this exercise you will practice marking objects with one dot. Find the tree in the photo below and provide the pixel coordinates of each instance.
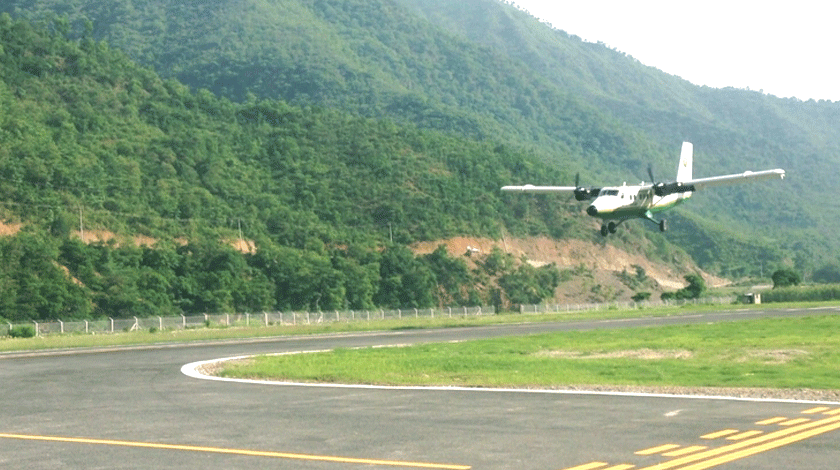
(530, 285)
(695, 288)
(828, 274)
(785, 277)
(404, 280)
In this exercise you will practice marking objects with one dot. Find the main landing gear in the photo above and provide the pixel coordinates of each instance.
(611, 227)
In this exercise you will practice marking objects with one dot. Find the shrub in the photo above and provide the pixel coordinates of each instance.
(785, 277)
(22, 331)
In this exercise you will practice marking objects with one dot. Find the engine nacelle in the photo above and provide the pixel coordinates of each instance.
(664, 189)
(582, 194)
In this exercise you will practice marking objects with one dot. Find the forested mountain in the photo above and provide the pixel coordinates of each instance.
(318, 124)
(89, 140)
(484, 70)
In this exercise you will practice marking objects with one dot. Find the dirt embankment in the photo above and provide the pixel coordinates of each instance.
(596, 269)
(105, 236)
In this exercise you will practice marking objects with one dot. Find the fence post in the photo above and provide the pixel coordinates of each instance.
(86, 327)
(36, 328)
(183, 322)
(61, 326)
(265, 315)
(112, 324)
(160, 323)
(247, 319)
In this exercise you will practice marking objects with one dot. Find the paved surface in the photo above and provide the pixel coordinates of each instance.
(134, 408)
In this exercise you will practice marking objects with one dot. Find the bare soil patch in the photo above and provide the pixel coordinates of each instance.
(643, 354)
(596, 267)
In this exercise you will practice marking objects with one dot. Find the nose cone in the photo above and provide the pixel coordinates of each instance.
(591, 210)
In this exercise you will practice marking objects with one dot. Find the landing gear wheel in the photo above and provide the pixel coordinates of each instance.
(662, 225)
(611, 227)
(604, 230)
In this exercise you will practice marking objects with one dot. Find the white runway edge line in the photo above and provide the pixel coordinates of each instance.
(193, 370)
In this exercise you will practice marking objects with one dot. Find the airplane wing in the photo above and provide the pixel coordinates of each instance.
(530, 188)
(678, 187)
(702, 183)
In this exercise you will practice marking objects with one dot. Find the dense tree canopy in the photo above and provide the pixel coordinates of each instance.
(92, 142)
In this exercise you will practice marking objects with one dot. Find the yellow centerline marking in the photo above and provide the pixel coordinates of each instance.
(245, 452)
(758, 449)
(744, 435)
(794, 421)
(718, 434)
(775, 420)
(747, 443)
(748, 447)
(589, 466)
(620, 467)
(816, 410)
(684, 451)
(656, 450)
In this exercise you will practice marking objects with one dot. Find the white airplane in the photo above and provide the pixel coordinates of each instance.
(617, 204)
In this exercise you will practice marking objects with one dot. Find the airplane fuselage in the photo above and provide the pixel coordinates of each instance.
(631, 202)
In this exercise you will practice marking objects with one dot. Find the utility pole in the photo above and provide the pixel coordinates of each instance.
(81, 225)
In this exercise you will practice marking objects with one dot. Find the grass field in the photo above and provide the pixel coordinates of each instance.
(773, 353)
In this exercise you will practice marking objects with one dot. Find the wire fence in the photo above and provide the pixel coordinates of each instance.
(114, 325)
(628, 305)
(264, 319)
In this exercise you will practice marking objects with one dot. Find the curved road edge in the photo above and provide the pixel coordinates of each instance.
(195, 370)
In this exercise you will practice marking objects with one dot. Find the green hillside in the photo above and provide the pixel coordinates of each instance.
(484, 70)
(323, 126)
(91, 141)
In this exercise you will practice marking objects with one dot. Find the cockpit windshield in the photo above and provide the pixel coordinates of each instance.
(608, 192)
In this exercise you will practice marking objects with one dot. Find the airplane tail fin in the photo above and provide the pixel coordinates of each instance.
(686, 161)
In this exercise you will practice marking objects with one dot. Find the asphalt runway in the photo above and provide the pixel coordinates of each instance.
(133, 408)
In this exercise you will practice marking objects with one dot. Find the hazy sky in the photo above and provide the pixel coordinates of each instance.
(787, 49)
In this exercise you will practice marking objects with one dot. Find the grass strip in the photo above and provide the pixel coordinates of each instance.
(787, 353)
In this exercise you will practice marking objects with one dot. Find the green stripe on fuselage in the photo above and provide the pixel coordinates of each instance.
(641, 211)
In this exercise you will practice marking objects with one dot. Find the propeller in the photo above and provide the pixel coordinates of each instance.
(664, 189)
(581, 193)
